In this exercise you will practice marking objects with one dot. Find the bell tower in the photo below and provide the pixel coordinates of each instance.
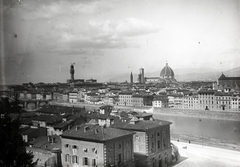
(72, 71)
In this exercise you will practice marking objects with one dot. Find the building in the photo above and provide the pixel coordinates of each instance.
(207, 100)
(93, 145)
(47, 121)
(223, 101)
(73, 96)
(235, 102)
(125, 98)
(175, 100)
(167, 72)
(160, 101)
(152, 79)
(46, 150)
(137, 100)
(226, 83)
(166, 76)
(190, 102)
(152, 145)
(72, 81)
(91, 80)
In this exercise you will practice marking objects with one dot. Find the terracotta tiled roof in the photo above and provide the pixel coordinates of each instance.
(96, 133)
(140, 125)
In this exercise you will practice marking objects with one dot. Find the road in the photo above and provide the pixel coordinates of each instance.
(193, 155)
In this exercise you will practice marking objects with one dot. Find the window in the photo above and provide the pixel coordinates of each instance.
(94, 162)
(85, 150)
(85, 161)
(66, 145)
(119, 158)
(74, 147)
(67, 158)
(158, 143)
(74, 159)
(94, 150)
(119, 146)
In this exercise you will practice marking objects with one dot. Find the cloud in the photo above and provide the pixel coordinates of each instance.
(50, 9)
(102, 34)
(126, 27)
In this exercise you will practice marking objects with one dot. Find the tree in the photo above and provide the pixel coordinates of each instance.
(12, 147)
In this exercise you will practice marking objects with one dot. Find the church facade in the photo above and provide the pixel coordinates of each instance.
(228, 83)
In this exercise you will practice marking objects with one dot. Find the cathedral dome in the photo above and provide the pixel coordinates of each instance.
(167, 72)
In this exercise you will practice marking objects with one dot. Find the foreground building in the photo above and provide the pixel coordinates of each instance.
(93, 145)
(152, 145)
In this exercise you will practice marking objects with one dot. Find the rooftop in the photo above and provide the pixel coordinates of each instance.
(94, 133)
(140, 125)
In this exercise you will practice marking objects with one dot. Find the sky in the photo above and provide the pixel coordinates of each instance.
(41, 38)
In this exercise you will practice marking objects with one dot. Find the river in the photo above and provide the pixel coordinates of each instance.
(204, 127)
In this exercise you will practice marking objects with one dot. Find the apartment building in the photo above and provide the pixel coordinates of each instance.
(207, 100)
(152, 146)
(235, 101)
(93, 145)
(223, 101)
(125, 98)
(137, 100)
(190, 102)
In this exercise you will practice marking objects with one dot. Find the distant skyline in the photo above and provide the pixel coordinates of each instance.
(43, 37)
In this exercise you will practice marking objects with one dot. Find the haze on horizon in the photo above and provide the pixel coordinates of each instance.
(42, 38)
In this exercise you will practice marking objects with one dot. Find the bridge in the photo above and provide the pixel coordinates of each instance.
(33, 104)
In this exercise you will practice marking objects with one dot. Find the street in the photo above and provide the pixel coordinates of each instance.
(193, 155)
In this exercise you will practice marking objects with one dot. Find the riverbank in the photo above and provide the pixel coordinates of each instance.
(205, 141)
(218, 115)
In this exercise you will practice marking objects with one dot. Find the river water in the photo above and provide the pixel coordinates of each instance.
(203, 127)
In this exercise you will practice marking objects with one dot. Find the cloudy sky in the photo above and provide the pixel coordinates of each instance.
(105, 38)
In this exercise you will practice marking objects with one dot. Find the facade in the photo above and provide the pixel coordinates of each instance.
(46, 150)
(137, 100)
(91, 80)
(125, 98)
(152, 145)
(93, 145)
(207, 99)
(235, 101)
(225, 83)
(152, 79)
(190, 102)
(223, 101)
(73, 96)
(160, 102)
(175, 101)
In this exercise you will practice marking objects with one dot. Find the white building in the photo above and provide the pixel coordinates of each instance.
(73, 96)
